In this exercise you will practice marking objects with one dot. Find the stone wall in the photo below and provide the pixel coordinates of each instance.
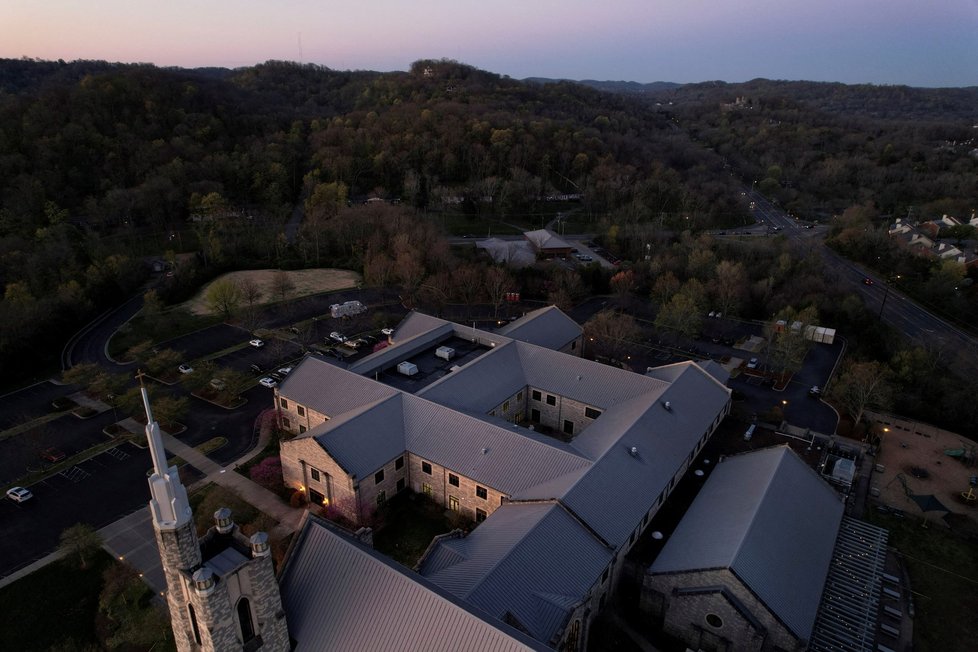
(685, 616)
(291, 420)
(300, 457)
(442, 489)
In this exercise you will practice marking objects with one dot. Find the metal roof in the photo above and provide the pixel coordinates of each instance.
(847, 616)
(533, 566)
(622, 487)
(547, 327)
(482, 384)
(546, 239)
(364, 440)
(771, 520)
(314, 384)
(340, 595)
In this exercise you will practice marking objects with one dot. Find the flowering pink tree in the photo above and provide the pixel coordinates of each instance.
(268, 472)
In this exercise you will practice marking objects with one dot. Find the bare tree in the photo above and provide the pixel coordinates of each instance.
(282, 285)
(787, 342)
(860, 385)
(730, 286)
(610, 333)
(82, 540)
(497, 283)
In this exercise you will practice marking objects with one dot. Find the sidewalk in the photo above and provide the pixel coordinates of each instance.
(131, 537)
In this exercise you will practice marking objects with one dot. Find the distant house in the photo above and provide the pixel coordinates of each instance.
(765, 560)
(548, 244)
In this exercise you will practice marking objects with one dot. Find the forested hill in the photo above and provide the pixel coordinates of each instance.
(882, 102)
(102, 164)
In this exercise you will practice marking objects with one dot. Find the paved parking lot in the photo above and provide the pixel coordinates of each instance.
(97, 492)
(207, 341)
(30, 403)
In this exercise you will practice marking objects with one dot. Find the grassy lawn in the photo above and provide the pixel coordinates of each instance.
(943, 571)
(478, 226)
(409, 522)
(58, 607)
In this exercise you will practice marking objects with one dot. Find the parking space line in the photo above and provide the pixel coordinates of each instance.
(75, 474)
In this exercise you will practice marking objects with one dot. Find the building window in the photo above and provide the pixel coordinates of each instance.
(592, 413)
(301, 410)
(535, 415)
(453, 479)
(399, 463)
(604, 576)
(714, 620)
(283, 403)
(481, 492)
(453, 503)
(381, 498)
(285, 423)
(400, 484)
(244, 620)
(379, 476)
(574, 345)
(193, 623)
(315, 474)
(536, 395)
(505, 406)
(519, 397)
(551, 399)
(426, 467)
(480, 515)
(302, 429)
(568, 427)
(426, 490)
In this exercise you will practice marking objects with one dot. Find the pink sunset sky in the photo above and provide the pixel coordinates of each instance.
(854, 41)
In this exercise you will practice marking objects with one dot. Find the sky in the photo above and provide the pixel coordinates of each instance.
(911, 42)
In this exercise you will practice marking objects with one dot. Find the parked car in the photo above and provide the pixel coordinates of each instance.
(267, 382)
(218, 384)
(19, 494)
(185, 369)
(815, 391)
(337, 337)
(867, 281)
(255, 368)
(285, 371)
(752, 364)
(52, 455)
(257, 343)
(387, 331)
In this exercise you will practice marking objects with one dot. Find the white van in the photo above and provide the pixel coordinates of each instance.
(749, 433)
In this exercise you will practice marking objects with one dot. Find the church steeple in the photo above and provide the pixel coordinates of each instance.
(169, 503)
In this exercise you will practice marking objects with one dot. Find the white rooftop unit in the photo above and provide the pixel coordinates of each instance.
(407, 368)
(445, 352)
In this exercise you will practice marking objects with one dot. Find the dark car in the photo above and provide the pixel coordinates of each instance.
(867, 281)
(52, 455)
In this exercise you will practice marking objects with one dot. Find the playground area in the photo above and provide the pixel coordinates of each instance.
(927, 472)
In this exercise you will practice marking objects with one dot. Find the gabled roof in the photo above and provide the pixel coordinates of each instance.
(482, 385)
(365, 439)
(314, 382)
(621, 487)
(773, 522)
(340, 595)
(518, 568)
(547, 327)
(546, 239)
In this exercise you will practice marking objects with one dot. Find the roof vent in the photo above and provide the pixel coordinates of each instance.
(485, 451)
(633, 451)
(579, 377)
(667, 405)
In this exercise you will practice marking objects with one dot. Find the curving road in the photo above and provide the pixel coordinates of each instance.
(895, 308)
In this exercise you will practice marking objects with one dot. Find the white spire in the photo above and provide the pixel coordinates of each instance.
(169, 503)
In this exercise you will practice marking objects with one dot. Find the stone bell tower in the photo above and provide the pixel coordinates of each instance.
(221, 590)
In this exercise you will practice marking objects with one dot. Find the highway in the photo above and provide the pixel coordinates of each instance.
(894, 308)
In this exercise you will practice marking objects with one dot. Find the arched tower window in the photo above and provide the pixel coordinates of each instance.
(244, 620)
(193, 623)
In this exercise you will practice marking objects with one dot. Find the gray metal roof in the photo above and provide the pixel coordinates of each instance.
(547, 327)
(340, 595)
(670, 371)
(314, 384)
(621, 487)
(533, 565)
(770, 519)
(482, 384)
(363, 440)
(415, 334)
(546, 239)
(847, 616)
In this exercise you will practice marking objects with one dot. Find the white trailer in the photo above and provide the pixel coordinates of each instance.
(346, 309)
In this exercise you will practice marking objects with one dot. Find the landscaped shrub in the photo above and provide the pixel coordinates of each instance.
(268, 472)
(298, 499)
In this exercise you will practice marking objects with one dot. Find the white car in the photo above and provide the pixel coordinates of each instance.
(19, 494)
(752, 364)
(256, 343)
(387, 331)
(267, 382)
(185, 369)
(285, 371)
(337, 337)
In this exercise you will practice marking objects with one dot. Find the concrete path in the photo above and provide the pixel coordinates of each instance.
(132, 538)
